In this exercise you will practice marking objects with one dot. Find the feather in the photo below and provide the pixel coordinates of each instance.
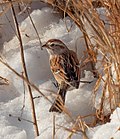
(65, 68)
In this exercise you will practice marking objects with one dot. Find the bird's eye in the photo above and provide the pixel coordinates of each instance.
(52, 44)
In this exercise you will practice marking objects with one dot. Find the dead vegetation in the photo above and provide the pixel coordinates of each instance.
(104, 42)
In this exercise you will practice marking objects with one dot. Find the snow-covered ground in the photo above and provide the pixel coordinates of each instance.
(78, 101)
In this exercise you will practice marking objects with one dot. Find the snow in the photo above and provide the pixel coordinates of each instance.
(110, 130)
(78, 101)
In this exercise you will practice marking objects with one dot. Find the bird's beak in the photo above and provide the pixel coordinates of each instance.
(43, 46)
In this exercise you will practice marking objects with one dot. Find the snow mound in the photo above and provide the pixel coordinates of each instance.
(78, 101)
(109, 130)
(12, 132)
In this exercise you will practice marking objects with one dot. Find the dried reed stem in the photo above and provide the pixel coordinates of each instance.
(34, 27)
(53, 137)
(25, 71)
(25, 79)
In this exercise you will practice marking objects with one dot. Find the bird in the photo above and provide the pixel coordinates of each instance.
(64, 65)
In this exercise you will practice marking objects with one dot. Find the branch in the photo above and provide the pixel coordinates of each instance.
(25, 71)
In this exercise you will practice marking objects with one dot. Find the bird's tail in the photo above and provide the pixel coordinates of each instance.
(59, 102)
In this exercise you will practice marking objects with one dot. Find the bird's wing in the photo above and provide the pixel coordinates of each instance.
(66, 68)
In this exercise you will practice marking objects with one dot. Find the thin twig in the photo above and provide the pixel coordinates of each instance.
(25, 71)
(53, 137)
(22, 109)
(19, 119)
(34, 27)
(23, 78)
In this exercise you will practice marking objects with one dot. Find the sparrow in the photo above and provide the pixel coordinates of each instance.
(64, 65)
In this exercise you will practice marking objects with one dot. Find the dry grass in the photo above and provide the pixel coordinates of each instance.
(3, 81)
(105, 41)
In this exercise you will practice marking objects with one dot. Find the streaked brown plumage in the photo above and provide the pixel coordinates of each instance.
(65, 68)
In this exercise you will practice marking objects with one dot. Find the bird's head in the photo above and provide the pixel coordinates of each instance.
(55, 46)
